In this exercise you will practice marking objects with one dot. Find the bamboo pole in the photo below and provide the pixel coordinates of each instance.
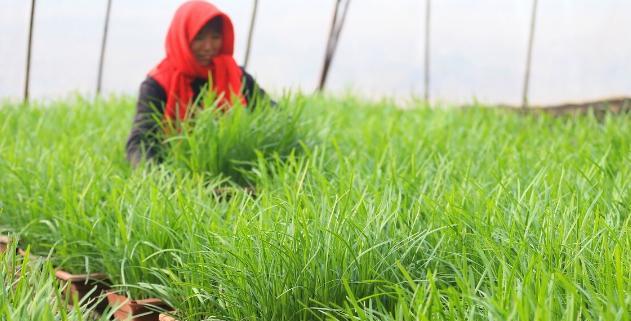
(28, 52)
(341, 24)
(427, 47)
(327, 50)
(531, 40)
(338, 31)
(99, 80)
(250, 34)
(334, 35)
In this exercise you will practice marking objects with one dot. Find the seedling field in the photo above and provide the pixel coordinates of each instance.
(329, 209)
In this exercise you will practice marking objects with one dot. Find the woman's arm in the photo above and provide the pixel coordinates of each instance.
(143, 141)
(253, 93)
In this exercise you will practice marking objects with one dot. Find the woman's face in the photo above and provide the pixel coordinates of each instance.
(206, 45)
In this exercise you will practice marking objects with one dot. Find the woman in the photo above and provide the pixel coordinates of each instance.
(199, 49)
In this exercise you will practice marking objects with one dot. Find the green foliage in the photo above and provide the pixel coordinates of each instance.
(30, 291)
(363, 211)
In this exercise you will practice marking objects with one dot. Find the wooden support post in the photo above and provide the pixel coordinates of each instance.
(99, 80)
(334, 35)
(427, 48)
(250, 34)
(28, 52)
(531, 40)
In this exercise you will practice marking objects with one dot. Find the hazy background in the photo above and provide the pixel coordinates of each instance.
(582, 47)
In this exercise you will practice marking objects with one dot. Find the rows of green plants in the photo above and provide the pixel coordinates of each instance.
(360, 210)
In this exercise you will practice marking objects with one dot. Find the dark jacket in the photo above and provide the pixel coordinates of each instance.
(143, 141)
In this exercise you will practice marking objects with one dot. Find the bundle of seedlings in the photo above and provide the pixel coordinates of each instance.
(227, 143)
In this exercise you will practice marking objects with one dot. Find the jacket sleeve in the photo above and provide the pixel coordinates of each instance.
(253, 93)
(144, 139)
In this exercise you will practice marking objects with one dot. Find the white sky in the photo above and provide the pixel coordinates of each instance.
(582, 47)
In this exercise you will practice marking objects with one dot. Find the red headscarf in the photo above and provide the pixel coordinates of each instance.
(176, 72)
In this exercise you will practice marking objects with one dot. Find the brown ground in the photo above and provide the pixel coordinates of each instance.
(599, 108)
(618, 105)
